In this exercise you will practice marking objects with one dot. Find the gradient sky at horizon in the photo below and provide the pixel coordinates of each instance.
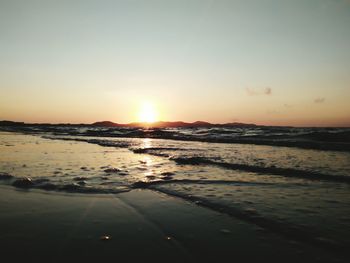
(272, 62)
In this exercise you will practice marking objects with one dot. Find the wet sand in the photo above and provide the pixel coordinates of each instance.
(143, 225)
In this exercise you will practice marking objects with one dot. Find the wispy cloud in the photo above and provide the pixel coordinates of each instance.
(259, 91)
(267, 91)
(319, 100)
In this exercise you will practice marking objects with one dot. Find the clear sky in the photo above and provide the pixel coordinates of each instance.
(273, 62)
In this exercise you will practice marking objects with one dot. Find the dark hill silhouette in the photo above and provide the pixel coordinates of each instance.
(171, 124)
(159, 124)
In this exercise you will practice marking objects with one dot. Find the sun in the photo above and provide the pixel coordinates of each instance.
(147, 113)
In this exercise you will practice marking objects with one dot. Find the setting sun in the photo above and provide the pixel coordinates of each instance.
(147, 113)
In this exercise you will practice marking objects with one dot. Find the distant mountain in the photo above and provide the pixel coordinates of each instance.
(11, 123)
(171, 124)
(106, 124)
(159, 124)
(16, 124)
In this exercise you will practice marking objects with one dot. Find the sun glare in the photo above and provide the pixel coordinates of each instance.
(147, 113)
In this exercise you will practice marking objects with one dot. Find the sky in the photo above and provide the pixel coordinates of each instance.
(271, 62)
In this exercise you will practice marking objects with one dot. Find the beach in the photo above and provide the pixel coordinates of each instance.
(142, 225)
(130, 199)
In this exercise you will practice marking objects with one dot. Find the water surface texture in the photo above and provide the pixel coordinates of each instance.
(299, 192)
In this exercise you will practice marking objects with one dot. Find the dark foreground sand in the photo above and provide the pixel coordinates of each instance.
(144, 226)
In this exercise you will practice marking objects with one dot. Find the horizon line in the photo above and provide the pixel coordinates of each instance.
(173, 122)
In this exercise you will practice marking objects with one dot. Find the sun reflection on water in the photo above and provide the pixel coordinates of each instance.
(146, 143)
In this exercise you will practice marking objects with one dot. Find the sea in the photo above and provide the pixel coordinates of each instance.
(292, 181)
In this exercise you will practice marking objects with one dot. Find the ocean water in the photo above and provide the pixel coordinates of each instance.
(291, 181)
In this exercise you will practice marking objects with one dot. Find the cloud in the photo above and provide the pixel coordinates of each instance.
(259, 91)
(267, 91)
(319, 100)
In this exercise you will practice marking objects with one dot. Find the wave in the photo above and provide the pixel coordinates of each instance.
(328, 139)
(46, 184)
(198, 160)
(342, 136)
(144, 184)
(287, 172)
(101, 142)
